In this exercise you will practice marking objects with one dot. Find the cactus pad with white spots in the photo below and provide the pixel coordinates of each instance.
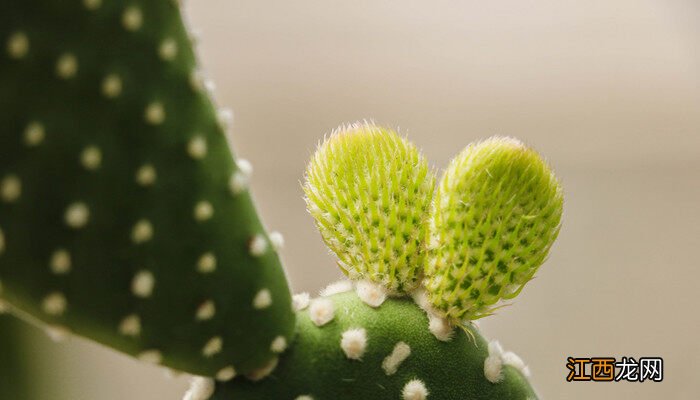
(117, 216)
(379, 353)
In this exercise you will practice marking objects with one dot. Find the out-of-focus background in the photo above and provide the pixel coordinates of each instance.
(608, 91)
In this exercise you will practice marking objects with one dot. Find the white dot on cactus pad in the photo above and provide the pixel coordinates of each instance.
(354, 343)
(10, 188)
(132, 18)
(130, 325)
(197, 147)
(206, 263)
(341, 286)
(17, 45)
(66, 66)
(226, 374)
(300, 301)
(146, 175)
(371, 293)
(262, 300)
(225, 117)
(213, 346)
(60, 262)
(495, 349)
(304, 397)
(257, 245)
(143, 283)
(512, 359)
(263, 372)
(440, 328)
(203, 211)
(200, 389)
(92, 4)
(393, 361)
(54, 304)
(277, 240)
(151, 357)
(493, 368)
(414, 390)
(34, 134)
(111, 86)
(321, 311)
(155, 113)
(206, 311)
(91, 158)
(168, 49)
(278, 345)
(77, 215)
(142, 232)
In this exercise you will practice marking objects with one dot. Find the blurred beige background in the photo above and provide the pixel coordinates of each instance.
(608, 91)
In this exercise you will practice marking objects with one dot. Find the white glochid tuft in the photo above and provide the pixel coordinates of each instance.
(321, 311)
(354, 343)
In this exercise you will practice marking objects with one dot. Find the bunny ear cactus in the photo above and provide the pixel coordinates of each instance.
(422, 267)
(369, 191)
(123, 216)
(496, 213)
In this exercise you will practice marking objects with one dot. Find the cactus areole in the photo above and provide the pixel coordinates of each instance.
(125, 219)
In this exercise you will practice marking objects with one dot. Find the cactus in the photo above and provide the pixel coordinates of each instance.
(14, 368)
(383, 353)
(481, 237)
(123, 216)
(125, 219)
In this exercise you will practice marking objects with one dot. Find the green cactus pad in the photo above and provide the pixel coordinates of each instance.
(384, 353)
(369, 191)
(496, 213)
(123, 216)
(14, 369)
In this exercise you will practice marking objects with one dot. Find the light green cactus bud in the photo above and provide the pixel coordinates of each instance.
(496, 213)
(369, 190)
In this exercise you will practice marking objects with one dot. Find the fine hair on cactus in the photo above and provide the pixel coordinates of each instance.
(126, 219)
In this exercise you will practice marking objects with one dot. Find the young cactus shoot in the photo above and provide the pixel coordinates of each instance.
(369, 190)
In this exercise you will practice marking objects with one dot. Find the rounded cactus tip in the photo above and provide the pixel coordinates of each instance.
(495, 215)
(369, 190)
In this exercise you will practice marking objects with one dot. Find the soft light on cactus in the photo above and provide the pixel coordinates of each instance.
(369, 190)
(496, 212)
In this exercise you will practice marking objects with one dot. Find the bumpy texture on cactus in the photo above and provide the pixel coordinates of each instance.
(369, 191)
(495, 215)
(383, 353)
(123, 216)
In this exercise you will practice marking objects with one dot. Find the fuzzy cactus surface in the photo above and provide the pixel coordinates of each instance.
(383, 353)
(124, 217)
